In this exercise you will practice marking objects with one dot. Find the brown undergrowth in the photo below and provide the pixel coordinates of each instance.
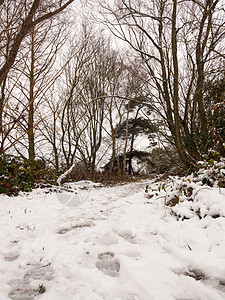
(105, 178)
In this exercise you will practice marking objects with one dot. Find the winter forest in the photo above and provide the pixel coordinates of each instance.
(112, 149)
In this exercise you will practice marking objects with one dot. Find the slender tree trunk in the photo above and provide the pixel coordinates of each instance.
(56, 156)
(31, 103)
(130, 169)
(130, 158)
(2, 98)
(200, 48)
(177, 125)
(126, 141)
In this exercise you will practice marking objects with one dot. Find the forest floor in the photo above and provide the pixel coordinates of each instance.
(113, 243)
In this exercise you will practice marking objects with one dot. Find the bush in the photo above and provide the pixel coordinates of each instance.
(22, 175)
(181, 194)
(164, 160)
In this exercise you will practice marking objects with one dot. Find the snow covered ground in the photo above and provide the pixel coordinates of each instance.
(112, 243)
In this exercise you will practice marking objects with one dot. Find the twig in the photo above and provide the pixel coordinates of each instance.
(129, 202)
(203, 188)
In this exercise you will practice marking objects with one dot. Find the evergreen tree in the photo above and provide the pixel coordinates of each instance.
(137, 125)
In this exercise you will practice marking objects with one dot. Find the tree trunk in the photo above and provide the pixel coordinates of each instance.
(126, 141)
(177, 125)
(130, 158)
(2, 105)
(31, 103)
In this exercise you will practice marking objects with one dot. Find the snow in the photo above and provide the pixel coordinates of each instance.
(113, 243)
(64, 175)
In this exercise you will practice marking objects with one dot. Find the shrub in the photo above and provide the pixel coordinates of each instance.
(181, 193)
(22, 175)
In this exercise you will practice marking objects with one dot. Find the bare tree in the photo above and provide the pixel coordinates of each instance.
(49, 128)
(26, 15)
(18, 19)
(72, 119)
(178, 43)
(95, 96)
(103, 95)
(43, 44)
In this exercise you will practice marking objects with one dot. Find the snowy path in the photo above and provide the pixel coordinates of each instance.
(115, 245)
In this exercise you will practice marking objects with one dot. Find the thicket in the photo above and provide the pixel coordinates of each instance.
(18, 175)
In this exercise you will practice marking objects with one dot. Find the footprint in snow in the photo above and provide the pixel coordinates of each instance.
(74, 225)
(127, 235)
(21, 289)
(13, 251)
(11, 256)
(108, 264)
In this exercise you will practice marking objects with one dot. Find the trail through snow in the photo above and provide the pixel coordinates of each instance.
(107, 243)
